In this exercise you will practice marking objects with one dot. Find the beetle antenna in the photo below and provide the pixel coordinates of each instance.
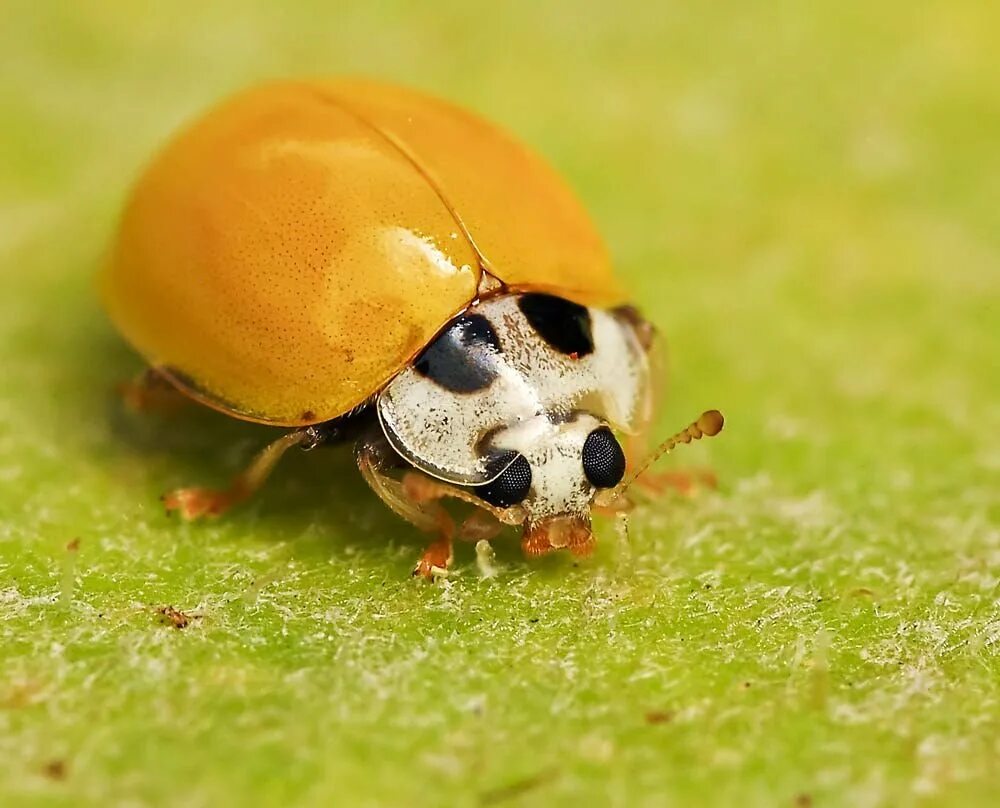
(709, 424)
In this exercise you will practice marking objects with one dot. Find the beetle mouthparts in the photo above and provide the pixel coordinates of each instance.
(571, 533)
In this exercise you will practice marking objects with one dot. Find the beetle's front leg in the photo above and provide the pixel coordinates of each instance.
(416, 498)
(374, 458)
(482, 525)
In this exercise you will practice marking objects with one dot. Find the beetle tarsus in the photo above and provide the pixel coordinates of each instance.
(196, 503)
(436, 560)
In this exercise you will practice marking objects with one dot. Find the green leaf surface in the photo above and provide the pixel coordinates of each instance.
(805, 198)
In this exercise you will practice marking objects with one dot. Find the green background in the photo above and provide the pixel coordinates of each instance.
(804, 197)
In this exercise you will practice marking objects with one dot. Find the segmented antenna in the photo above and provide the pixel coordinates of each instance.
(708, 425)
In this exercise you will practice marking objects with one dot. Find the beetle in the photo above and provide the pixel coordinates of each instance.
(358, 261)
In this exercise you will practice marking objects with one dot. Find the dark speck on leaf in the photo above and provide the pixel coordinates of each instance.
(517, 788)
(169, 616)
(55, 769)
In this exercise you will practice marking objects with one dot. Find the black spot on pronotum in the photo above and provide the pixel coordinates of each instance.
(513, 484)
(603, 458)
(561, 323)
(460, 358)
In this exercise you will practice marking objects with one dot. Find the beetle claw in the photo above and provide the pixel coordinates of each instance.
(434, 563)
(429, 572)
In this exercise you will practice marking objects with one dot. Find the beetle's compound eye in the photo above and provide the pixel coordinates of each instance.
(603, 459)
(512, 486)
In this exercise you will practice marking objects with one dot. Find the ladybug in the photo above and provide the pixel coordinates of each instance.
(357, 261)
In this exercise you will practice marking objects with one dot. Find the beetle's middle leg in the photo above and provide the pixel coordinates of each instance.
(196, 502)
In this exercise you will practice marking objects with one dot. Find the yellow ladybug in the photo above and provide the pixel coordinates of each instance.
(360, 261)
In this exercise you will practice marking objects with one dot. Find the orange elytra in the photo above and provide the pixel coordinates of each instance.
(285, 255)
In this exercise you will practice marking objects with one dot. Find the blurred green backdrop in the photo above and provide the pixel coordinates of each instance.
(804, 197)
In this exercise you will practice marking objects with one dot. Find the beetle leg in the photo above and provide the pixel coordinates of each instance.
(479, 526)
(195, 502)
(371, 461)
(421, 488)
(416, 499)
(683, 481)
(612, 507)
(151, 392)
(483, 524)
(427, 515)
(436, 560)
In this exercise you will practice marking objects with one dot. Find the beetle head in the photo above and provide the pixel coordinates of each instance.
(552, 469)
(555, 470)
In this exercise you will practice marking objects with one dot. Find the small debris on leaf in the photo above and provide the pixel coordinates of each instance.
(486, 559)
(169, 616)
(56, 769)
